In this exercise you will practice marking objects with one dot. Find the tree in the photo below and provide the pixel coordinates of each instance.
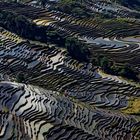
(104, 63)
(20, 78)
(77, 49)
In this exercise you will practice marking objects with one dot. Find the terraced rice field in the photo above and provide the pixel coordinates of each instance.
(60, 98)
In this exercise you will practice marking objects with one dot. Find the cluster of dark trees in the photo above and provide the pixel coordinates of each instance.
(20, 78)
(111, 68)
(77, 49)
(23, 27)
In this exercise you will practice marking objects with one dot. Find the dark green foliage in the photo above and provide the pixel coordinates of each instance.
(104, 63)
(77, 49)
(20, 78)
(127, 71)
(111, 68)
(24, 28)
(18, 24)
